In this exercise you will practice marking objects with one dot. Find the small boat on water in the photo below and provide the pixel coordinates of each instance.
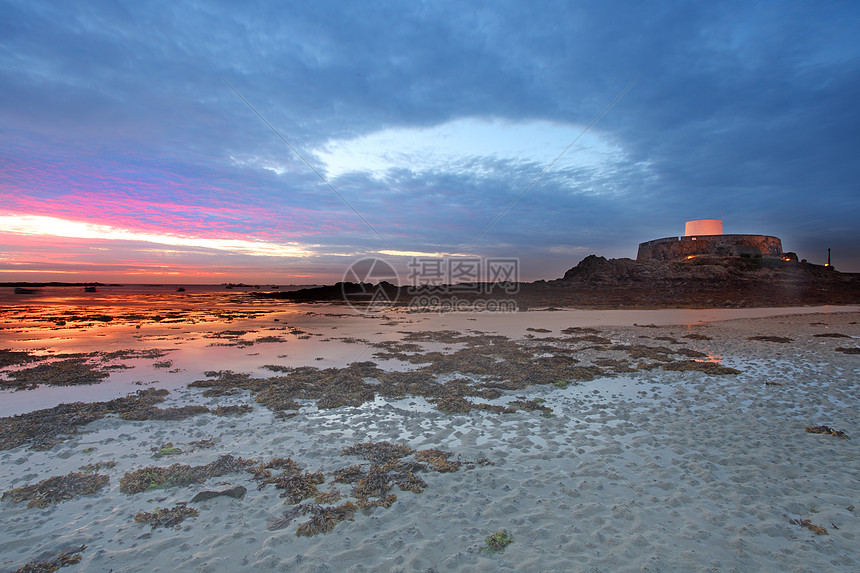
(90, 289)
(180, 289)
(21, 290)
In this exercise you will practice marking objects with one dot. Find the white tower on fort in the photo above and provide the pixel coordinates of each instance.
(703, 227)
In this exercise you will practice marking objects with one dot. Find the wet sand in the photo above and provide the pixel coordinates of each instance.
(639, 467)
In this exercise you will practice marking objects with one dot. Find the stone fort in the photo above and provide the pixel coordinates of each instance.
(705, 237)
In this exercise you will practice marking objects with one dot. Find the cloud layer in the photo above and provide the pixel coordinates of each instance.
(426, 121)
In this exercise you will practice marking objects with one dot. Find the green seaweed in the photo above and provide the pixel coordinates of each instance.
(497, 542)
(167, 449)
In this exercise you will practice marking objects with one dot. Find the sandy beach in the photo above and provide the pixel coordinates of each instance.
(598, 440)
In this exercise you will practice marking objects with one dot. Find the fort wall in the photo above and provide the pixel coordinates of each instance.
(671, 248)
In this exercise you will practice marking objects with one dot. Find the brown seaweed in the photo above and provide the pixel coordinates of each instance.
(816, 529)
(706, 367)
(328, 497)
(532, 406)
(64, 559)
(280, 522)
(156, 413)
(487, 366)
(379, 452)
(848, 350)
(43, 429)
(697, 336)
(166, 516)
(155, 477)
(299, 486)
(236, 410)
(70, 372)
(16, 357)
(57, 489)
(438, 460)
(94, 468)
(779, 339)
(324, 519)
(827, 430)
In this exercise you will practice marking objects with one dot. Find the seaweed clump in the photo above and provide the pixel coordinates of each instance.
(826, 430)
(297, 483)
(155, 413)
(15, 357)
(438, 460)
(236, 410)
(64, 559)
(328, 497)
(497, 542)
(166, 516)
(706, 367)
(324, 519)
(57, 489)
(43, 429)
(94, 468)
(482, 366)
(636, 351)
(378, 451)
(848, 349)
(497, 363)
(697, 336)
(535, 405)
(225, 383)
(372, 483)
(263, 474)
(816, 529)
(388, 465)
(167, 449)
(298, 486)
(70, 372)
(155, 477)
(779, 339)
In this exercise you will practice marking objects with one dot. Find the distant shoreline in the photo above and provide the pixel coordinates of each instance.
(53, 284)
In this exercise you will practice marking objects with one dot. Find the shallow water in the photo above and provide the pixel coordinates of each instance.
(318, 335)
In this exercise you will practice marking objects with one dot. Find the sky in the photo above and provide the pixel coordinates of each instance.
(280, 142)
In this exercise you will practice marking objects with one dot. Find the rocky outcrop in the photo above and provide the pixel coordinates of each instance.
(703, 281)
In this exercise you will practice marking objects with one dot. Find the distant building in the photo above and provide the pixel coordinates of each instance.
(705, 237)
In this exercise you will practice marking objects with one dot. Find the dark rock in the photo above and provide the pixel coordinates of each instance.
(237, 492)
